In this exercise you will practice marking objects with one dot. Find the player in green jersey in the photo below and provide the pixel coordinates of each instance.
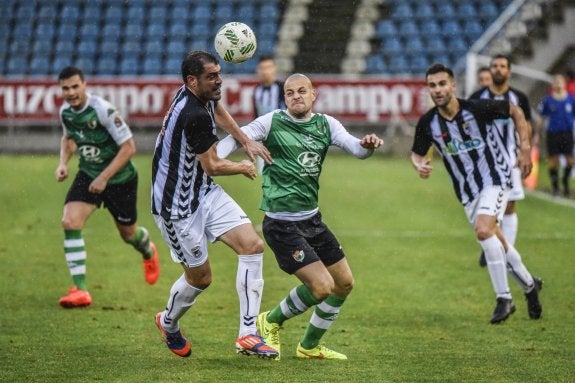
(98, 133)
(298, 141)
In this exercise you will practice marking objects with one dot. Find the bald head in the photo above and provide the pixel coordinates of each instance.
(299, 95)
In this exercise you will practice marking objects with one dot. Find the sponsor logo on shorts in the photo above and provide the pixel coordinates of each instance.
(123, 219)
(298, 255)
(196, 252)
(243, 217)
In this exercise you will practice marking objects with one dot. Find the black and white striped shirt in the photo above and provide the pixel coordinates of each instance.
(515, 97)
(178, 180)
(474, 152)
(268, 98)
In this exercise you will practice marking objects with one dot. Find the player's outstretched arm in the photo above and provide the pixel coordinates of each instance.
(251, 147)
(422, 165)
(216, 166)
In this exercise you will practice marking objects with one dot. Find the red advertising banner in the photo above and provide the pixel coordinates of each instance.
(144, 101)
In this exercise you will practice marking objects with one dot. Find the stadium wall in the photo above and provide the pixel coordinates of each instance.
(29, 105)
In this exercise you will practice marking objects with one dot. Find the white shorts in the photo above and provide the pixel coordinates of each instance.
(516, 193)
(491, 201)
(188, 237)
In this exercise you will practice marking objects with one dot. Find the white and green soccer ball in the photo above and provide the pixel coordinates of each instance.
(235, 42)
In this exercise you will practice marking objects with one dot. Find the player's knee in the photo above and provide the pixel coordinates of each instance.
(201, 282)
(343, 288)
(483, 232)
(253, 245)
(321, 289)
(70, 224)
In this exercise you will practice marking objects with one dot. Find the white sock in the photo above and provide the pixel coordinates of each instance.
(182, 297)
(495, 257)
(250, 286)
(518, 270)
(509, 226)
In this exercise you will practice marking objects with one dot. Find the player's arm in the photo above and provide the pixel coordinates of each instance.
(360, 148)
(422, 164)
(256, 130)
(251, 147)
(214, 165)
(126, 152)
(522, 127)
(67, 149)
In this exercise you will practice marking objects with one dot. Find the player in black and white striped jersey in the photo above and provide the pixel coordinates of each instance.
(500, 89)
(269, 93)
(478, 160)
(191, 210)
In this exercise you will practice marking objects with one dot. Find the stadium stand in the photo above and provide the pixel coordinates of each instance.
(116, 37)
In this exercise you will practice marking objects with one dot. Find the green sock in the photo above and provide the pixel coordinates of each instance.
(141, 242)
(298, 301)
(75, 252)
(323, 316)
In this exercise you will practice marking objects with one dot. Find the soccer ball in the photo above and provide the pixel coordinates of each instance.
(235, 42)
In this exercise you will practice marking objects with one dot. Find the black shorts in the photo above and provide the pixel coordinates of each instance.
(559, 143)
(119, 199)
(300, 243)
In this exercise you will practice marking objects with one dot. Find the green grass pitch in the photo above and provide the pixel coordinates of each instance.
(419, 311)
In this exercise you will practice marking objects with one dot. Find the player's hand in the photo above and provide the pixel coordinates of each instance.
(249, 169)
(61, 172)
(371, 141)
(424, 168)
(524, 162)
(98, 185)
(255, 148)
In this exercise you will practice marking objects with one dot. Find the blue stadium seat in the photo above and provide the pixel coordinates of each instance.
(201, 32)
(64, 48)
(114, 15)
(129, 66)
(90, 31)
(67, 31)
(179, 13)
(60, 62)
(429, 28)
(134, 32)
(375, 64)
(106, 66)
(92, 13)
(418, 64)
(446, 10)
(268, 11)
(69, 13)
(398, 65)
(451, 28)
(158, 13)
(19, 48)
(402, 11)
(40, 65)
(423, 10)
(152, 65)
(246, 13)
(111, 32)
(178, 30)
(85, 64)
(44, 32)
(473, 29)
(487, 10)
(202, 12)
(266, 28)
(136, 14)
(25, 12)
(391, 45)
(131, 48)
(176, 48)
(408, 28)
(202, 45)
(173, 65)
(154, 48)
(414, 45)
(155, 30)
(434, 43)
(47, 12)
(22, 31)
(16, 66)
(266, 46)
(224, 13)
(109, 47)
(87, 49)
(42, 48)
(385, 28)
(466, 11)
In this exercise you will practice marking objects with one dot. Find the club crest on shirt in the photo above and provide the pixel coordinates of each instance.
(298, 255)
(92, 124)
